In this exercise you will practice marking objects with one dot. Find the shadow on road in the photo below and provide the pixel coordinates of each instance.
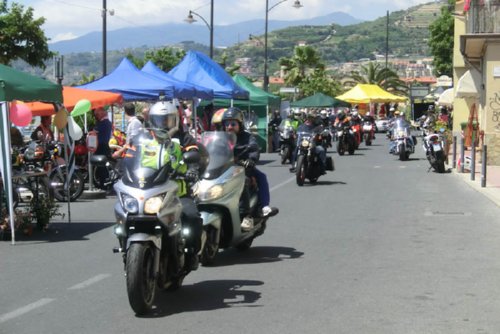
(206, 296)
(326, 183)
(262, 254)
(57, 232)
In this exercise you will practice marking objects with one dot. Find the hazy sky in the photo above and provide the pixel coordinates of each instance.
(67, 19)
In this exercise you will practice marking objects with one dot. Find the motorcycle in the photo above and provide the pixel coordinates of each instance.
(403, 144)
(434, 151)
(326, 138)
(218, 195)
(287, 140)
(149, 229)
(345, 139)
(356, 130)
(368, 132)
(308, 162)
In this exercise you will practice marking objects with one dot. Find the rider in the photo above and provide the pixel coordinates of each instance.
(246, 153)
(294, 120)
(164, 124)
(310, 126)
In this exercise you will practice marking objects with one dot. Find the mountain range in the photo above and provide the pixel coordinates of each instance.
(173, 33)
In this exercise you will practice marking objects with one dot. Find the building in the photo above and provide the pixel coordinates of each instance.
(476, 70)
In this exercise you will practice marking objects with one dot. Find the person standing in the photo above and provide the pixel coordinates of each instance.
(134, 125)
(104, 129)
(43, 132)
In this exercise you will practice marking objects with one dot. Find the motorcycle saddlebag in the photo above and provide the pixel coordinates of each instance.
(329, 164)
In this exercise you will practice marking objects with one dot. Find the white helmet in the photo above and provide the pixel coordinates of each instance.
(324, 113)
(163, 116)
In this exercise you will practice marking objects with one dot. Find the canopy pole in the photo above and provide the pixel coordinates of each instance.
(70, 163)
(267, 129)
(7, 167)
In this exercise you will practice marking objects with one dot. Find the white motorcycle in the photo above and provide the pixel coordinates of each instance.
(434, 151)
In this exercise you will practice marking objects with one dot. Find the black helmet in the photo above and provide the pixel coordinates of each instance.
(233, 113)
(341, 115)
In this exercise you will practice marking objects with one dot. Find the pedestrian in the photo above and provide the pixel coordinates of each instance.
(134, 125)
(43, 132)
(104, 129)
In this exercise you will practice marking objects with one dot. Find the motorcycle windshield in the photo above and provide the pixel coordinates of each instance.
(147, 162)
(401, 128)
(219, 145)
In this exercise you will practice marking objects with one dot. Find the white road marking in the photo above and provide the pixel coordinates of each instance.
(376, 166)
(23, 310)
(282, 184)
(402, 166)
(89, 282)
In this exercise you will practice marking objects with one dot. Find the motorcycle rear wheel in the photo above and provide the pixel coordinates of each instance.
(141, 281)
(300, 171)
(440, 162)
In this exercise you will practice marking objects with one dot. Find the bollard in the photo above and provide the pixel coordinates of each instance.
(462, 154)
(473, 161)
(454, 152)
(484, 167)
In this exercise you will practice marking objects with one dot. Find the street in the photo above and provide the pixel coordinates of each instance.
(377, 246)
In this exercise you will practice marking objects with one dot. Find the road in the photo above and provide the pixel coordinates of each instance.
(378, 246)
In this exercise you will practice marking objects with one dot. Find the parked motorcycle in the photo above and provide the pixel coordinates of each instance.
(368, 132)
(149, 229)
(308, 162)
(403, 143)
(345, 139)
(287, 140)
(218, 195)
(434, 150)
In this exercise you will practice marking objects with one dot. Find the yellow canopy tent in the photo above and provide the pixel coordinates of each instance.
(366, 93)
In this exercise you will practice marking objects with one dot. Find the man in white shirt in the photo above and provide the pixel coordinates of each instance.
(134, 125)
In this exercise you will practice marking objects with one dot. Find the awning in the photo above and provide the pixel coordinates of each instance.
(469, 84)
(446, 98)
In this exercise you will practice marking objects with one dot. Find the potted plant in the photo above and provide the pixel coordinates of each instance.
(44, 209)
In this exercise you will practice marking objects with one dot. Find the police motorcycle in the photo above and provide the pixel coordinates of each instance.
(308, 165)
(434, 150)
(149, 229)
(287, 140)
(218, 194)
(403, 143)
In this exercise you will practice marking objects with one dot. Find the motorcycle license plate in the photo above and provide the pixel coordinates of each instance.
(436, 147)
(367, 127)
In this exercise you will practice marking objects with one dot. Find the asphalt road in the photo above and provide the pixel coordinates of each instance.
(378, 246)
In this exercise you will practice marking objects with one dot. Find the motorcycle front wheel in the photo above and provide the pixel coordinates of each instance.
(300, 171)
(284, 154)
(140, 277)
(402, 152)
(211, 247)
(340, 147)
(76, 186)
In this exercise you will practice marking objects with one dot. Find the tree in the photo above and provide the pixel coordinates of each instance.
(441, 41)
(375, 73)
(21, 36)
(165, 58)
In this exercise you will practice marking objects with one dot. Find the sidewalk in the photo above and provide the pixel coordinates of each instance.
(492, 189)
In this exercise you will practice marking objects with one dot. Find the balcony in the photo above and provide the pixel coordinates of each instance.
(482, 27)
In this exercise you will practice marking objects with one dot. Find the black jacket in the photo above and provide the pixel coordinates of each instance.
(246, 147)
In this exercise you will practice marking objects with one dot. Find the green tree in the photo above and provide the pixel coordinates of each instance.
(375, 73)
(165, 58)
(21, 36)
(441, 41)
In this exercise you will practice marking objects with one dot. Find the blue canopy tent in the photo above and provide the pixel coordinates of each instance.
(198, 69)
(184, 90)
(134, 85)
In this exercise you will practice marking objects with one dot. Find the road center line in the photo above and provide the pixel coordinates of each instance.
(89, 282)
(23, 310)
(282, 183)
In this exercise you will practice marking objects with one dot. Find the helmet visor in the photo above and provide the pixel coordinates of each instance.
(165, 122)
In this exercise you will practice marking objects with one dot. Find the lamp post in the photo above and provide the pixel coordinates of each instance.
(190, 19)
(104, 14)
(297, 5)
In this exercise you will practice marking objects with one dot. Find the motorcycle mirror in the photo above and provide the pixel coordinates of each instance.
(191, 157)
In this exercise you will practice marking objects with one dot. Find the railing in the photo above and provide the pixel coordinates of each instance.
(485, 18)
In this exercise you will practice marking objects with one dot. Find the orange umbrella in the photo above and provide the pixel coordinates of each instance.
(72, 95)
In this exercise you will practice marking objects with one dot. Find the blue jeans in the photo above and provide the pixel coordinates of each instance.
(264, 194)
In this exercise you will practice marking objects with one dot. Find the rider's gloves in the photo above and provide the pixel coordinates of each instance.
(248, 163)
(192, 174)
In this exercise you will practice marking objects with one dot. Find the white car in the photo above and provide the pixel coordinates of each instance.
(382, 124)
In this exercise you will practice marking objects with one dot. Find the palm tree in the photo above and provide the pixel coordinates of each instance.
(305, 59)
(374, 73)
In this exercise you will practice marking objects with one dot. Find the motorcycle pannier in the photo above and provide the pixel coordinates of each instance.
(329, 164)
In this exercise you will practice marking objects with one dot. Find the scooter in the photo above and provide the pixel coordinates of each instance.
(149, 229)
(218, 195)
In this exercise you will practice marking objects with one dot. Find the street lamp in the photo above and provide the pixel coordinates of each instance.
(104, 14)
(190, 19)
(297, 5)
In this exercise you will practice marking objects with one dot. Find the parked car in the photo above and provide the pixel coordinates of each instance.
(382, 124)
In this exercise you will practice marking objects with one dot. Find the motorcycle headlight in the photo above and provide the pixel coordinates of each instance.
(130, 204)
(339, 133)
(211, 193)
(305, 143)
(153, 205)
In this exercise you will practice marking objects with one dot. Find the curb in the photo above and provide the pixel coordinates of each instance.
(492, 194)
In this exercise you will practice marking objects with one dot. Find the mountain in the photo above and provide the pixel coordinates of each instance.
(174, 33)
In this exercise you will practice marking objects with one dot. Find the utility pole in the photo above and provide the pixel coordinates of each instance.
(104, 14)
(386, 49)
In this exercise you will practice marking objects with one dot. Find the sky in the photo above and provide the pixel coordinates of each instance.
(66, 19)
